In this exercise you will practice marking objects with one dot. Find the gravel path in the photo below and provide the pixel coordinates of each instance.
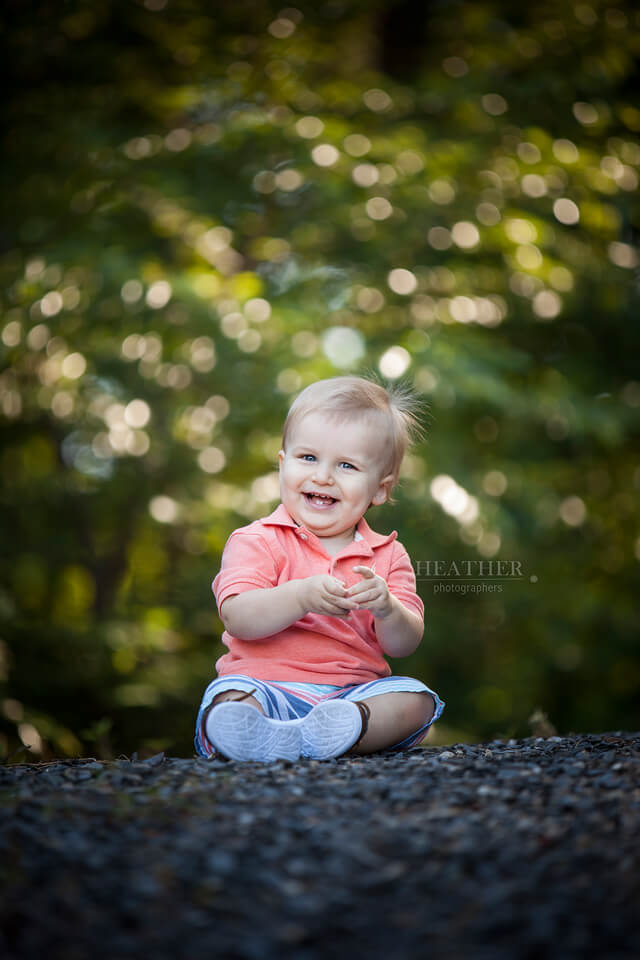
(517, 849)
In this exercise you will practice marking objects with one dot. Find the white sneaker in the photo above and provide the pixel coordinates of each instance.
(241, 732)
(331, 728)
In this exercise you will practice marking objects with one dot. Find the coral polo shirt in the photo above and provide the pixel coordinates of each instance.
(317, 648)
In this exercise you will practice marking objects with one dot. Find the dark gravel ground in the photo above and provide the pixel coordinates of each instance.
(516, 849)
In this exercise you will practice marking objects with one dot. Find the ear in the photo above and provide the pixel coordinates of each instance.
(383, 492)
(280, 458)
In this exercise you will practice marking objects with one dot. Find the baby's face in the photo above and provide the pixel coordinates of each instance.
(330, 473)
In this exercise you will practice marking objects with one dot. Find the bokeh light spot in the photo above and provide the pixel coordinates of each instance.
(137, 413)
(402, 281)
(534, 185)
(547, 304)
(12, 333)
(164, 509)
(409, 162)
(281, 28)
(465, 235)
(528, 256)
(264, 182)
(289, 180)
(521, 231)
(370, 299)
(379, 208)
(494, 483)
(288, 381)
(488, 214)
(178, 140)
(572, 511)
(343, 346)
(158, 294)
(565, 151)
(455, 66)
(623, 255)
(566, 211)
(38, 336)
(394, 362)
(439, 238)
(377, 100)
(304, 343)
(203, 354)
(528, 152)
(494, 104)
(561, 279)
(463, 309)
(325, 155)
(131, 291)
(585, 113)
(365, 175)
(309, 127)
(211, 460)
(249, 341)
(73, 366)
(357, 145)
(51, 304)
(441, 192)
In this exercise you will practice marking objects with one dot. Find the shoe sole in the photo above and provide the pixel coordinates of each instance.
(330, 729)
(241, 732)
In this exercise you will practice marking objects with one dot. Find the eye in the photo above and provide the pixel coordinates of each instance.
(345, 463)
(307, 457)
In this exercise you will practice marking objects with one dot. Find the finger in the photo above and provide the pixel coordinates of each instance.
(366, 572)
(367, 601)
(339, 611)
(336, 588)
(339, 603)
(364, 586)
(365, 595)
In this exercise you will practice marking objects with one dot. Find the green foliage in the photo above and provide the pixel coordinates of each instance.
(209, 208)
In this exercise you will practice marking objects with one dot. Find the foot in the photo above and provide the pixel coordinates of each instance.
(331, 728)
(241, 732)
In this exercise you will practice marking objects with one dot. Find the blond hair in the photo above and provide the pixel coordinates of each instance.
(394, 408)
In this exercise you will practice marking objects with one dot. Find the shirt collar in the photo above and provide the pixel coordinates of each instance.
(282, 518)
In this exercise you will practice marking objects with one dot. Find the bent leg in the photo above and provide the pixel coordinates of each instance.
(254, 691)
(236, 695)
(394, 717)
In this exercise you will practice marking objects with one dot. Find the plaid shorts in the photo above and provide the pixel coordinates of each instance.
(290, 701)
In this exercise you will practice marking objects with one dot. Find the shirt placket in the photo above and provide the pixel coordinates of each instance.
(359, 551)
(358, 554)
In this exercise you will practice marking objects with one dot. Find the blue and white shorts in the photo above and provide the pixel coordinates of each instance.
(290, 701)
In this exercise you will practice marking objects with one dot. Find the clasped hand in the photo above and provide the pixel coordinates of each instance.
(327, 595)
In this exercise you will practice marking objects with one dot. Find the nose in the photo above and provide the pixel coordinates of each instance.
(322, 473)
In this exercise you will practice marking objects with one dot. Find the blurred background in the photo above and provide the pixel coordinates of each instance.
(210, 205)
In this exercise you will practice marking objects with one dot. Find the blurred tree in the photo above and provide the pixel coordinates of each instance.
(209, 207)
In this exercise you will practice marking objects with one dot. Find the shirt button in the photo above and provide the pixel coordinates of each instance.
(303, 536)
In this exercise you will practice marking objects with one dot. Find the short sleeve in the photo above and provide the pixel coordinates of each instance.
(247, 564)
(401, 581)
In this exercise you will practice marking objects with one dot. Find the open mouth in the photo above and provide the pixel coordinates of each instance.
(320, 499)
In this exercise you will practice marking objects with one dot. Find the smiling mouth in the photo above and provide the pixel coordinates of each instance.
(320, 499)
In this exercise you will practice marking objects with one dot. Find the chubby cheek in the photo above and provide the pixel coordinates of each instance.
(361, 495)
(289, 475)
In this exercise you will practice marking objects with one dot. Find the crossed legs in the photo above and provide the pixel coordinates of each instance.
(393, 716)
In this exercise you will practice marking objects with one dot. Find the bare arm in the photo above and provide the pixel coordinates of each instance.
(398, 629)
(260, 613)
(400, 632)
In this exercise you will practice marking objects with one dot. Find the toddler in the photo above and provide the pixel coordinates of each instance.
(312, 599)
